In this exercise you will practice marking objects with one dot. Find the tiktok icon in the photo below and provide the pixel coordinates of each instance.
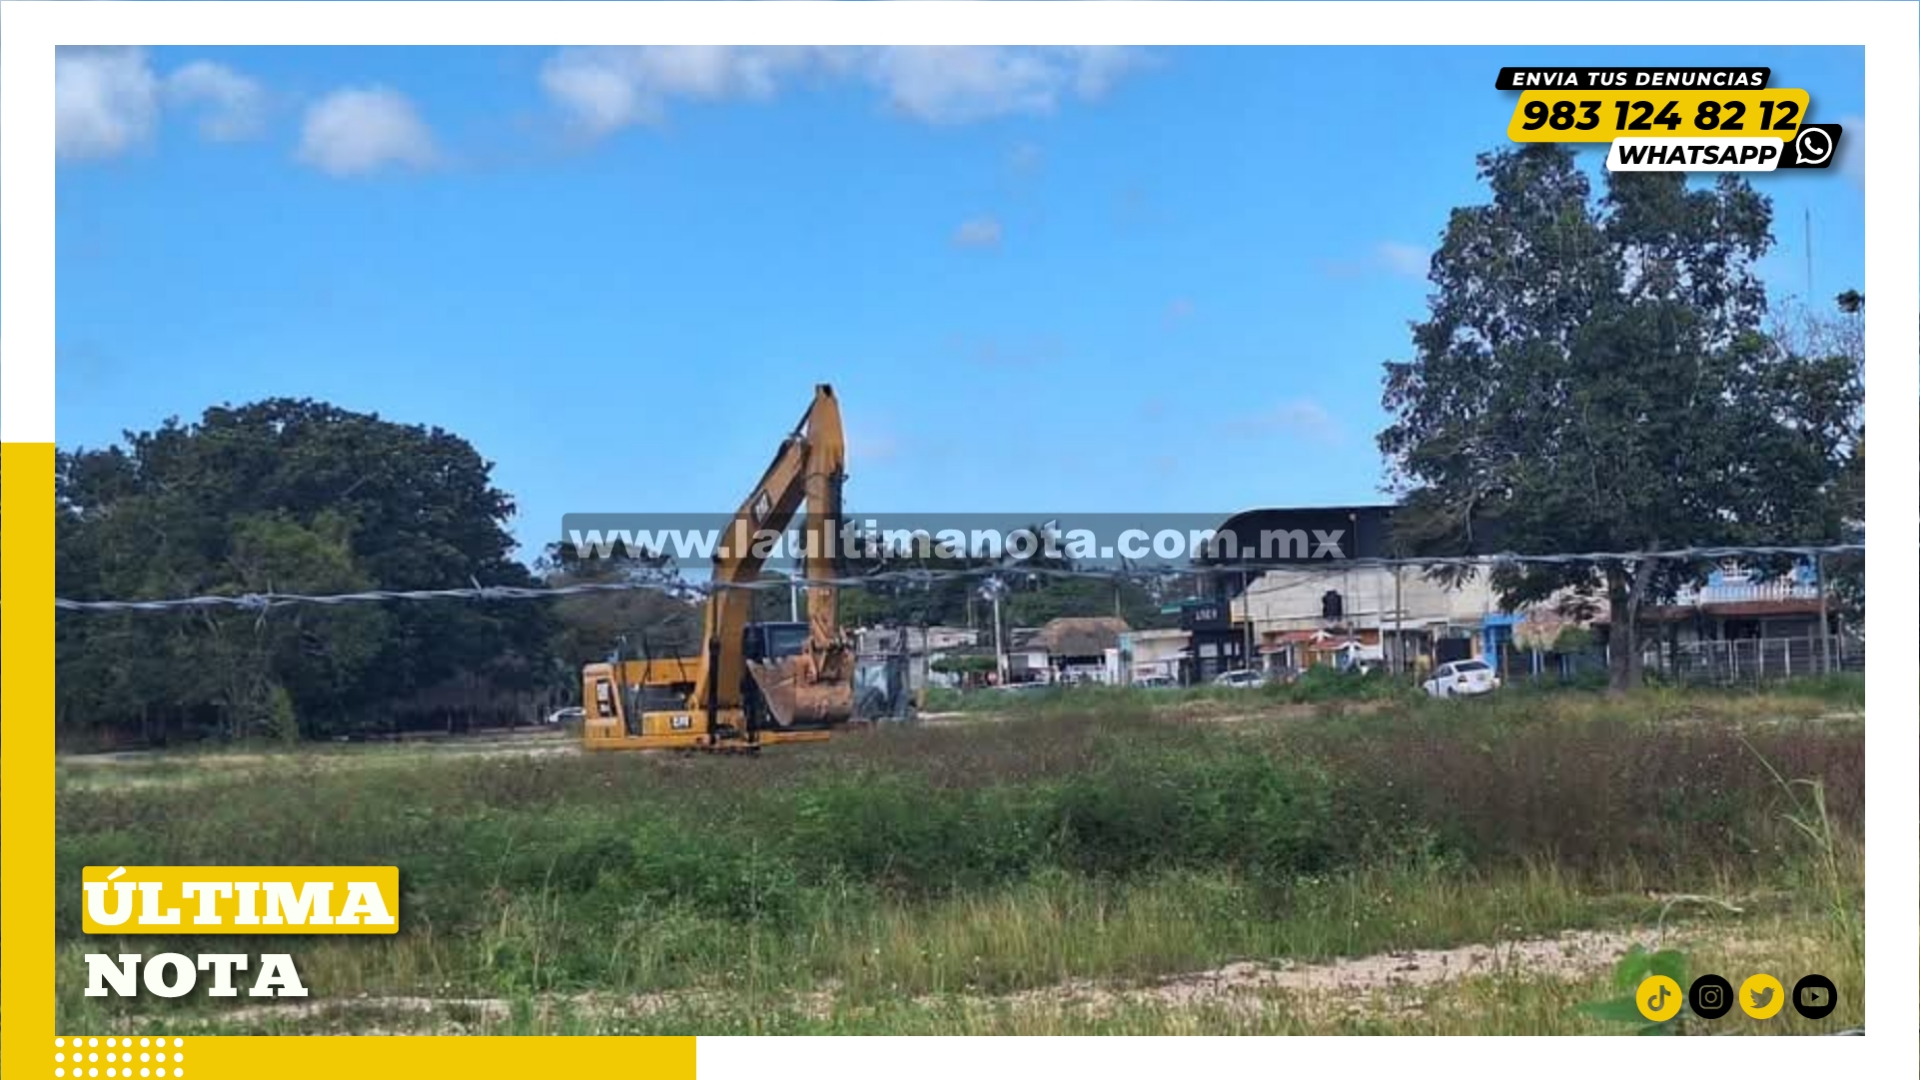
(1658, 998)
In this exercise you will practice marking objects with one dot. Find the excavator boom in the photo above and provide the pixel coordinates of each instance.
(733, 696)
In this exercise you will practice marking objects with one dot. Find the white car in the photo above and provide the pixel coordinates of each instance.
(1462, 678)
(1240, 678)
(571, 714)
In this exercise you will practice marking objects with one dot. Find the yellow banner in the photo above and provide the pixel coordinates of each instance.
(242, 899)
(329, 1057)
(1605, 115)
(26, 773)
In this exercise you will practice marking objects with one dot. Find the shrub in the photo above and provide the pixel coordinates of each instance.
(1672, 783)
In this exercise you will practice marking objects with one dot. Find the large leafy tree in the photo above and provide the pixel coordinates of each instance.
(1841, 332)
(655, 621)
(1593, 376)
(286, 496)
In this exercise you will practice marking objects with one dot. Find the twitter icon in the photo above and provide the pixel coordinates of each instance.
(1761, 996)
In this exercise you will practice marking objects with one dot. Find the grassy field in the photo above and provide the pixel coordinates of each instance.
(1085, 862)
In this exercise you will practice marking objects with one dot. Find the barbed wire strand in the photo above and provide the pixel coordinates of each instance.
(670, 583)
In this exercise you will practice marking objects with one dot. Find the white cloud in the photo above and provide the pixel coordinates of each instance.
(105, 101)
(956, 85)
(605, 89)
(109, 101)
(1098, 67)
(362, 130)
(231, 106)
(1388, 256)
(980, 232)
(1301, 418)
(1404, 259)
(966, 83)
(599, 96)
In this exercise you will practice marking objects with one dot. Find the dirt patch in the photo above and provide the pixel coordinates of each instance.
(126, 769)
(1204, 710)
(1382, 985)
(537, 740)
(474, 1016)
(1568, 956)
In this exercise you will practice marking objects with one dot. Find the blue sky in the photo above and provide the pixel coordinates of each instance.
(1058, 281)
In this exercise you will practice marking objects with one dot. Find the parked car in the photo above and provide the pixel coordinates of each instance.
(1155, 682)
(572, 714)
(1462, 678)
(1241, 678)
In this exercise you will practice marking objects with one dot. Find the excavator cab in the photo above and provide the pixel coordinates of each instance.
(775, 640)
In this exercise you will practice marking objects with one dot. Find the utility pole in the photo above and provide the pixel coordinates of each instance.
(999, 635)
(1399, 628)
(1246, 606)
(926, 657)
(1826, 642)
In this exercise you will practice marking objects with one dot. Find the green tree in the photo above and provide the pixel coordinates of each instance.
(1841, 335)
(658, 622)
(284, 496)
(897, 596)
(256, 669)
(1592, 375)
(1054, 598)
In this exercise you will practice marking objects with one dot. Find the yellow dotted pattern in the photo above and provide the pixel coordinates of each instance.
(118, 1058)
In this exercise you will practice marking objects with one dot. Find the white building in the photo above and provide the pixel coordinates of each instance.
(1155, 653)
(1401, 613)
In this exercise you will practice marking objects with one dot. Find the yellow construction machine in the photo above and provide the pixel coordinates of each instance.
(754, 683)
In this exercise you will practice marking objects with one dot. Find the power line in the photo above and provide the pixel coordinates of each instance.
(265, 601)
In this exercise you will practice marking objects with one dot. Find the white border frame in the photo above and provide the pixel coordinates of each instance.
(1888, 31)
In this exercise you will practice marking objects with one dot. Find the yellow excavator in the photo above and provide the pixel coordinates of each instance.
(753, 684)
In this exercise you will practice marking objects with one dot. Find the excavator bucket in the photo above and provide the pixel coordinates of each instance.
(795, 700)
